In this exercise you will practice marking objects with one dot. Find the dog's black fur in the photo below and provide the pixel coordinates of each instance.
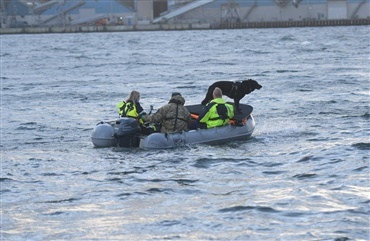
(233, 90)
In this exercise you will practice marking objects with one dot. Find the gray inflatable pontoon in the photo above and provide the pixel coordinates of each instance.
(124, 132)
(217, 135)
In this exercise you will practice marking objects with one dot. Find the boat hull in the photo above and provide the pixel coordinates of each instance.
(218, 135)
(103, 135)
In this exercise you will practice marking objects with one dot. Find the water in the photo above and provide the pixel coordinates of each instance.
(304, 175)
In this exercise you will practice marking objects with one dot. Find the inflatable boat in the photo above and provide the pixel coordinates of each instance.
(125, 132)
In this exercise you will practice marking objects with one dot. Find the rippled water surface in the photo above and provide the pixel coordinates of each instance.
(304, 175)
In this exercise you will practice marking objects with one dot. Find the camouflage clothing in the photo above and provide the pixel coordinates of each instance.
(166, 116)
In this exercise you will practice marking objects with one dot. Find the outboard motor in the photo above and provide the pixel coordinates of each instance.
(125, 132)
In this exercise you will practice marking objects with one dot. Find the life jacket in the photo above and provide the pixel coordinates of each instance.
(219, 113)
(127, 109)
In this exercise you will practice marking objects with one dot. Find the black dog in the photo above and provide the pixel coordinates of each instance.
(234, 90)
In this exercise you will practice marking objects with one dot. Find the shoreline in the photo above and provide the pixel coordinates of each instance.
(183, 26)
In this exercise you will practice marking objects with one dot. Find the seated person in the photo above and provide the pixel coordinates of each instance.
(216, 113)
(131, 107)
(173, 116)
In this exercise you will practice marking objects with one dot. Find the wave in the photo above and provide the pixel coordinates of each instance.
(244, 208)
(362, 145)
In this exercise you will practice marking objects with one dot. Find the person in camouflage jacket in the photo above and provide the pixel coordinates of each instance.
(172, 117)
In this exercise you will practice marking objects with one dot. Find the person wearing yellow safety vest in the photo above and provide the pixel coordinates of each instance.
(131, 107)
(216, 113)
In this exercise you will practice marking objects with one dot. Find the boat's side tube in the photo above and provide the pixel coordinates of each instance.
(103, 135)
(157, 141)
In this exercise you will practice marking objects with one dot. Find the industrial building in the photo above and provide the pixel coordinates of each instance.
(61, 13)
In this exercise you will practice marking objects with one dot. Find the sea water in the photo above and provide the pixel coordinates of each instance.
(304, 174)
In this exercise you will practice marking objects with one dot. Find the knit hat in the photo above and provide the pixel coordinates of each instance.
(175, 94)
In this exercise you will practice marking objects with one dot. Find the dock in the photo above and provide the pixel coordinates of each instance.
(184, 26)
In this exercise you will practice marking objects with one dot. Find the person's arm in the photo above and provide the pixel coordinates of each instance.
(119, 107)
(230, 110)
(188, 116)
(157, 117)
(204, 115)
(139, 109)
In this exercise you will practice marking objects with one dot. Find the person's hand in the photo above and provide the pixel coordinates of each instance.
(141, 114)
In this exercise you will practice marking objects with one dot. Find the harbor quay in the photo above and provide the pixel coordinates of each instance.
(184, 26)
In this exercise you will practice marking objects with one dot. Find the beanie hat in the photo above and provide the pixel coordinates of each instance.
(175, 94)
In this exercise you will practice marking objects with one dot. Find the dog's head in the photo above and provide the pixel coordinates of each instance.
(250, 85)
